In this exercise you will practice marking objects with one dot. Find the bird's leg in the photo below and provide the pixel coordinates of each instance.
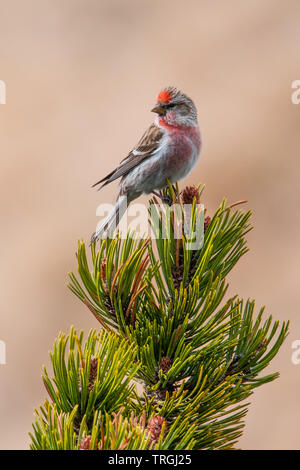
(175, 191)
(166, 199)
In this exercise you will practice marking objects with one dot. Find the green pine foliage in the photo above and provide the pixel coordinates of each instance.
(174, 360)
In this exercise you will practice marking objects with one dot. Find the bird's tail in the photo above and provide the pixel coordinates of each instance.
(112, 220)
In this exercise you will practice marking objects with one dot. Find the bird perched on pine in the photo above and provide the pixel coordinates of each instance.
(169, 149)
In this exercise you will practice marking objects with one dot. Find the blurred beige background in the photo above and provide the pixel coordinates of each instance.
(81, 79)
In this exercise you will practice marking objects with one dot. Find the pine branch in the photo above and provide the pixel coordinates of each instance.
(166, 324)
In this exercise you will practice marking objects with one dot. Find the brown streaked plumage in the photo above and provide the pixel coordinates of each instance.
(147, 145)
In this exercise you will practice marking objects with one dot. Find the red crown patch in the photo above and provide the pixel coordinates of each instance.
(164, 96)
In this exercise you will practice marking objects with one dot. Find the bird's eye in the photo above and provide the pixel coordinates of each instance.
(171, 105)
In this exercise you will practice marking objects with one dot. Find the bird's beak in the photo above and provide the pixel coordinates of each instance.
(158, 109)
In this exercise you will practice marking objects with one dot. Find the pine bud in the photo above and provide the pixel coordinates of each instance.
(85, 442)
(103, 274)
(206, 222)
(165, 364)
(93, 372)
(189, 193)
(154, 427)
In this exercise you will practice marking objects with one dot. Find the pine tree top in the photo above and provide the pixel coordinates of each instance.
(166, 324)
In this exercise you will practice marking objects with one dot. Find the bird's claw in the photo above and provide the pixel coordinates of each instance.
(175, 191)
(167, 199)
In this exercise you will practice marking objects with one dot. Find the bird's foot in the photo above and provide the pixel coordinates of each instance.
(165, 199)
(175, 191)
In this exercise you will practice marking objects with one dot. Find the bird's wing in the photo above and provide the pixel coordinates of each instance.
(150, 143)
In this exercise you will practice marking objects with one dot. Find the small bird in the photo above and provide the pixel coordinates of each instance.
(169, 149)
